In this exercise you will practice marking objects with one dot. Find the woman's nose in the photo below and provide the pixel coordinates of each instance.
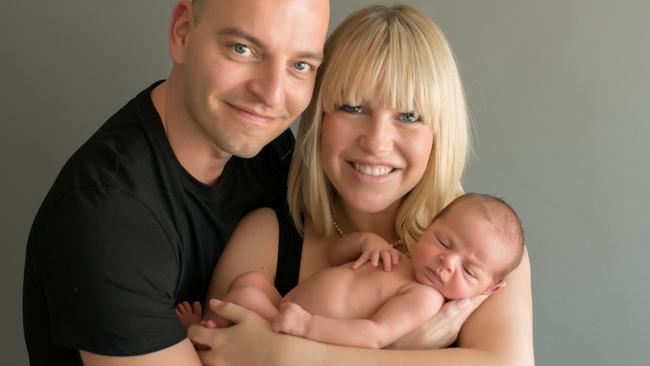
(377, 136)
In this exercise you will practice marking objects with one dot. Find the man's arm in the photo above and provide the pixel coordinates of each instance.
(182, 353)
(109, 277)
(395, 318)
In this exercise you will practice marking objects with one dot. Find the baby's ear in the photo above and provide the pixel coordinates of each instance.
(495, 288)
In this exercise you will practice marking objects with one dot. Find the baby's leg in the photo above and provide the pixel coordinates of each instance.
(189, 314)
(252, 291)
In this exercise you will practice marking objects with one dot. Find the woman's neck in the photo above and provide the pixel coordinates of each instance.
(352, 220)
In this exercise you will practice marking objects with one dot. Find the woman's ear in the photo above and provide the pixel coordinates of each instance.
(179, 31)
(495, 288)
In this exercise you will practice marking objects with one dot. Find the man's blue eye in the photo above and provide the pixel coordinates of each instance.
(241, 49)
(302, 66)
(351, 108)
(409, 117)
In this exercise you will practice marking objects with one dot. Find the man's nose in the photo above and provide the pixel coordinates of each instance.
(268, 85)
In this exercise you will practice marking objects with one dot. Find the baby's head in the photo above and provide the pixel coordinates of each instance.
(469, 248)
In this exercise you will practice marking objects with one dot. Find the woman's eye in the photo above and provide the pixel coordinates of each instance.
(351, 108)
(241, 49)
(409, 117)
(302, 66)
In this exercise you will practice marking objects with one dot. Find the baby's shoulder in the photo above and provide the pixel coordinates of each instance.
(423, 293)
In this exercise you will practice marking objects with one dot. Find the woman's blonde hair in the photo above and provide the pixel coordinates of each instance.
(398, 55)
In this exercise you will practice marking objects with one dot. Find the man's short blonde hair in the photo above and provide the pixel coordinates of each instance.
(401, 55)
(196, 9)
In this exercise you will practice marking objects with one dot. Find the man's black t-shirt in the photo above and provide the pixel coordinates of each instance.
(125, 233)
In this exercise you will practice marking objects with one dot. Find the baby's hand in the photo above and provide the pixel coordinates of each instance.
(375, 249)
(292, 319)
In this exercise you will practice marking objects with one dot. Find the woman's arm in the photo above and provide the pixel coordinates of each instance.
(498, 333)
(234, 345)
(252, 247)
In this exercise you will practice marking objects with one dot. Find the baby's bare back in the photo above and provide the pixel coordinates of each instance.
(342, 292)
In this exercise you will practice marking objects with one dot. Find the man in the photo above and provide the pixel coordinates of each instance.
(139, 215)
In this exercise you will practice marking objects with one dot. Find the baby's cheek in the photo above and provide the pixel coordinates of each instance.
(459, 289)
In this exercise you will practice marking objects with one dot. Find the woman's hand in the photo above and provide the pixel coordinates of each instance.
(441, 330)
(249, 341)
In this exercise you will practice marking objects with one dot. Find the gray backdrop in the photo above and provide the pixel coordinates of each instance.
(558, 95)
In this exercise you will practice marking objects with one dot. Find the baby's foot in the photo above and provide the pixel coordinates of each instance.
(189, 314)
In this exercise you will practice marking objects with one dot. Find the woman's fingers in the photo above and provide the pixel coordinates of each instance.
(227, 310)
(441, 330)
(201, 337)
(461, 309)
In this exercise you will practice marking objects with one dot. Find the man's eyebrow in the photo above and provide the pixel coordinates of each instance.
(234, 32)
(311, 55)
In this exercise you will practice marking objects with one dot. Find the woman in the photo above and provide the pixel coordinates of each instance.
(382, 148)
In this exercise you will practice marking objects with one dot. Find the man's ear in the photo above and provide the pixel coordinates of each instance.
(179, 30)
(495, 288)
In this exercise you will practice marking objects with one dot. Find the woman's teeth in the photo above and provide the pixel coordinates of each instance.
(372, 170)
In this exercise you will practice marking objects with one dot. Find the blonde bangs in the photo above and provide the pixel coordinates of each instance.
(390, 60)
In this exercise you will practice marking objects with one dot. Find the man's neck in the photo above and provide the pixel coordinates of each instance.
(194, 150)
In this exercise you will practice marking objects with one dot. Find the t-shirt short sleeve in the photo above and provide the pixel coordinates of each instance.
(109, 274)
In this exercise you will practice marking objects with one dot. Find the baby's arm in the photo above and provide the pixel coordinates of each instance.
(395, 318)
(363, 247)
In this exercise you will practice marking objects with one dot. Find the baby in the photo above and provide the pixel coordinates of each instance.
(468, 249)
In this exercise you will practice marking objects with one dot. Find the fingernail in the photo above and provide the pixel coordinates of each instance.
(462, 304)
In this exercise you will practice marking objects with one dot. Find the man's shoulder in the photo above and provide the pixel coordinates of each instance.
(114, 151)
(124, 154)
